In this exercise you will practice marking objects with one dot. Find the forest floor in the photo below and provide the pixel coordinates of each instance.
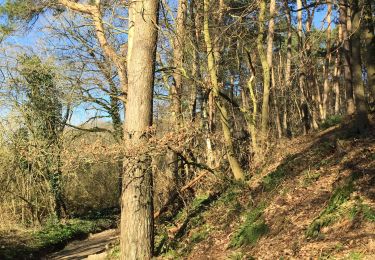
(314, 198)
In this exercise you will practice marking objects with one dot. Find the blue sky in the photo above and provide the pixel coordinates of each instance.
(30, 39)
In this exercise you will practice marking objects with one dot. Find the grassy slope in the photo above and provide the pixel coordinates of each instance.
(315, 198)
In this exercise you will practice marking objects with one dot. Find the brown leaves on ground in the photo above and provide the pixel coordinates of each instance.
(314, 167)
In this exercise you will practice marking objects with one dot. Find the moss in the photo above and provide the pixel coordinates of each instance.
(331, 213)
(252, 229)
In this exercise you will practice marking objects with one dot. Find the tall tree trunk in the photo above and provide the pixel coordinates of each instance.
(359, 90)
(178, 53)
(326, 87)
(266, 68)
(172, 168)
(270, 36)
(304, 106)
(251, 118)
(288, 66)
(368, 36)
(336, 83)
(137, 204)
(276, 105)
(346, 53)
(224, 117)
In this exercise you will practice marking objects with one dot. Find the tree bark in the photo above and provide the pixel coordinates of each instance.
(224, 117)
(137, 204)
(359, 90)
(326, 87)
(346, 55)
(266, 70)
(368, 36)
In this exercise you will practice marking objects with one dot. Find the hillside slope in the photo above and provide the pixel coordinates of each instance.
(314, 199)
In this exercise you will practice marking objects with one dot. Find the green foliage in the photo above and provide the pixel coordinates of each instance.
(56, 233)
(361, 209)
(252, 229)
(43, 107)
(331, 212)
(200, 236)
(331, 121)
(273, 179)
(310, 178)
(20, 13)
(354, 256)
(114, 252)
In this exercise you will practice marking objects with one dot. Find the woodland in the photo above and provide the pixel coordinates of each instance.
(187, 129)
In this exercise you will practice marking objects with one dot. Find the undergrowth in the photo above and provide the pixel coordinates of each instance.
(55, 234)
(331, 213)
(275, 178)
(331, 121)
(252, 229)
(52, 236)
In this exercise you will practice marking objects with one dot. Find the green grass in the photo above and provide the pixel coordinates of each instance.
(252, 229)
(361, 209)
(51, 237)
(310, 177)
(354, 256)
(114, 252)
(199, 236)
(58, 233)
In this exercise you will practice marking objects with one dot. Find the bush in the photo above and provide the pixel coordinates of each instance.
(331, 121)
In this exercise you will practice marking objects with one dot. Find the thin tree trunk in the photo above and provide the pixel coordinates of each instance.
(196, 95)
(336, 83)
(172, 166)
(346, 53)
(251, 120)
(326, 87)
(276, 105)
(288, 66)
(265, 66)
(224, 118)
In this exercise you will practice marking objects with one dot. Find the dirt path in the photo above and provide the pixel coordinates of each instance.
(94, 246)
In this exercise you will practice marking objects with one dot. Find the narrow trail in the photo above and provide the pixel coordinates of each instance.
(93, 247)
